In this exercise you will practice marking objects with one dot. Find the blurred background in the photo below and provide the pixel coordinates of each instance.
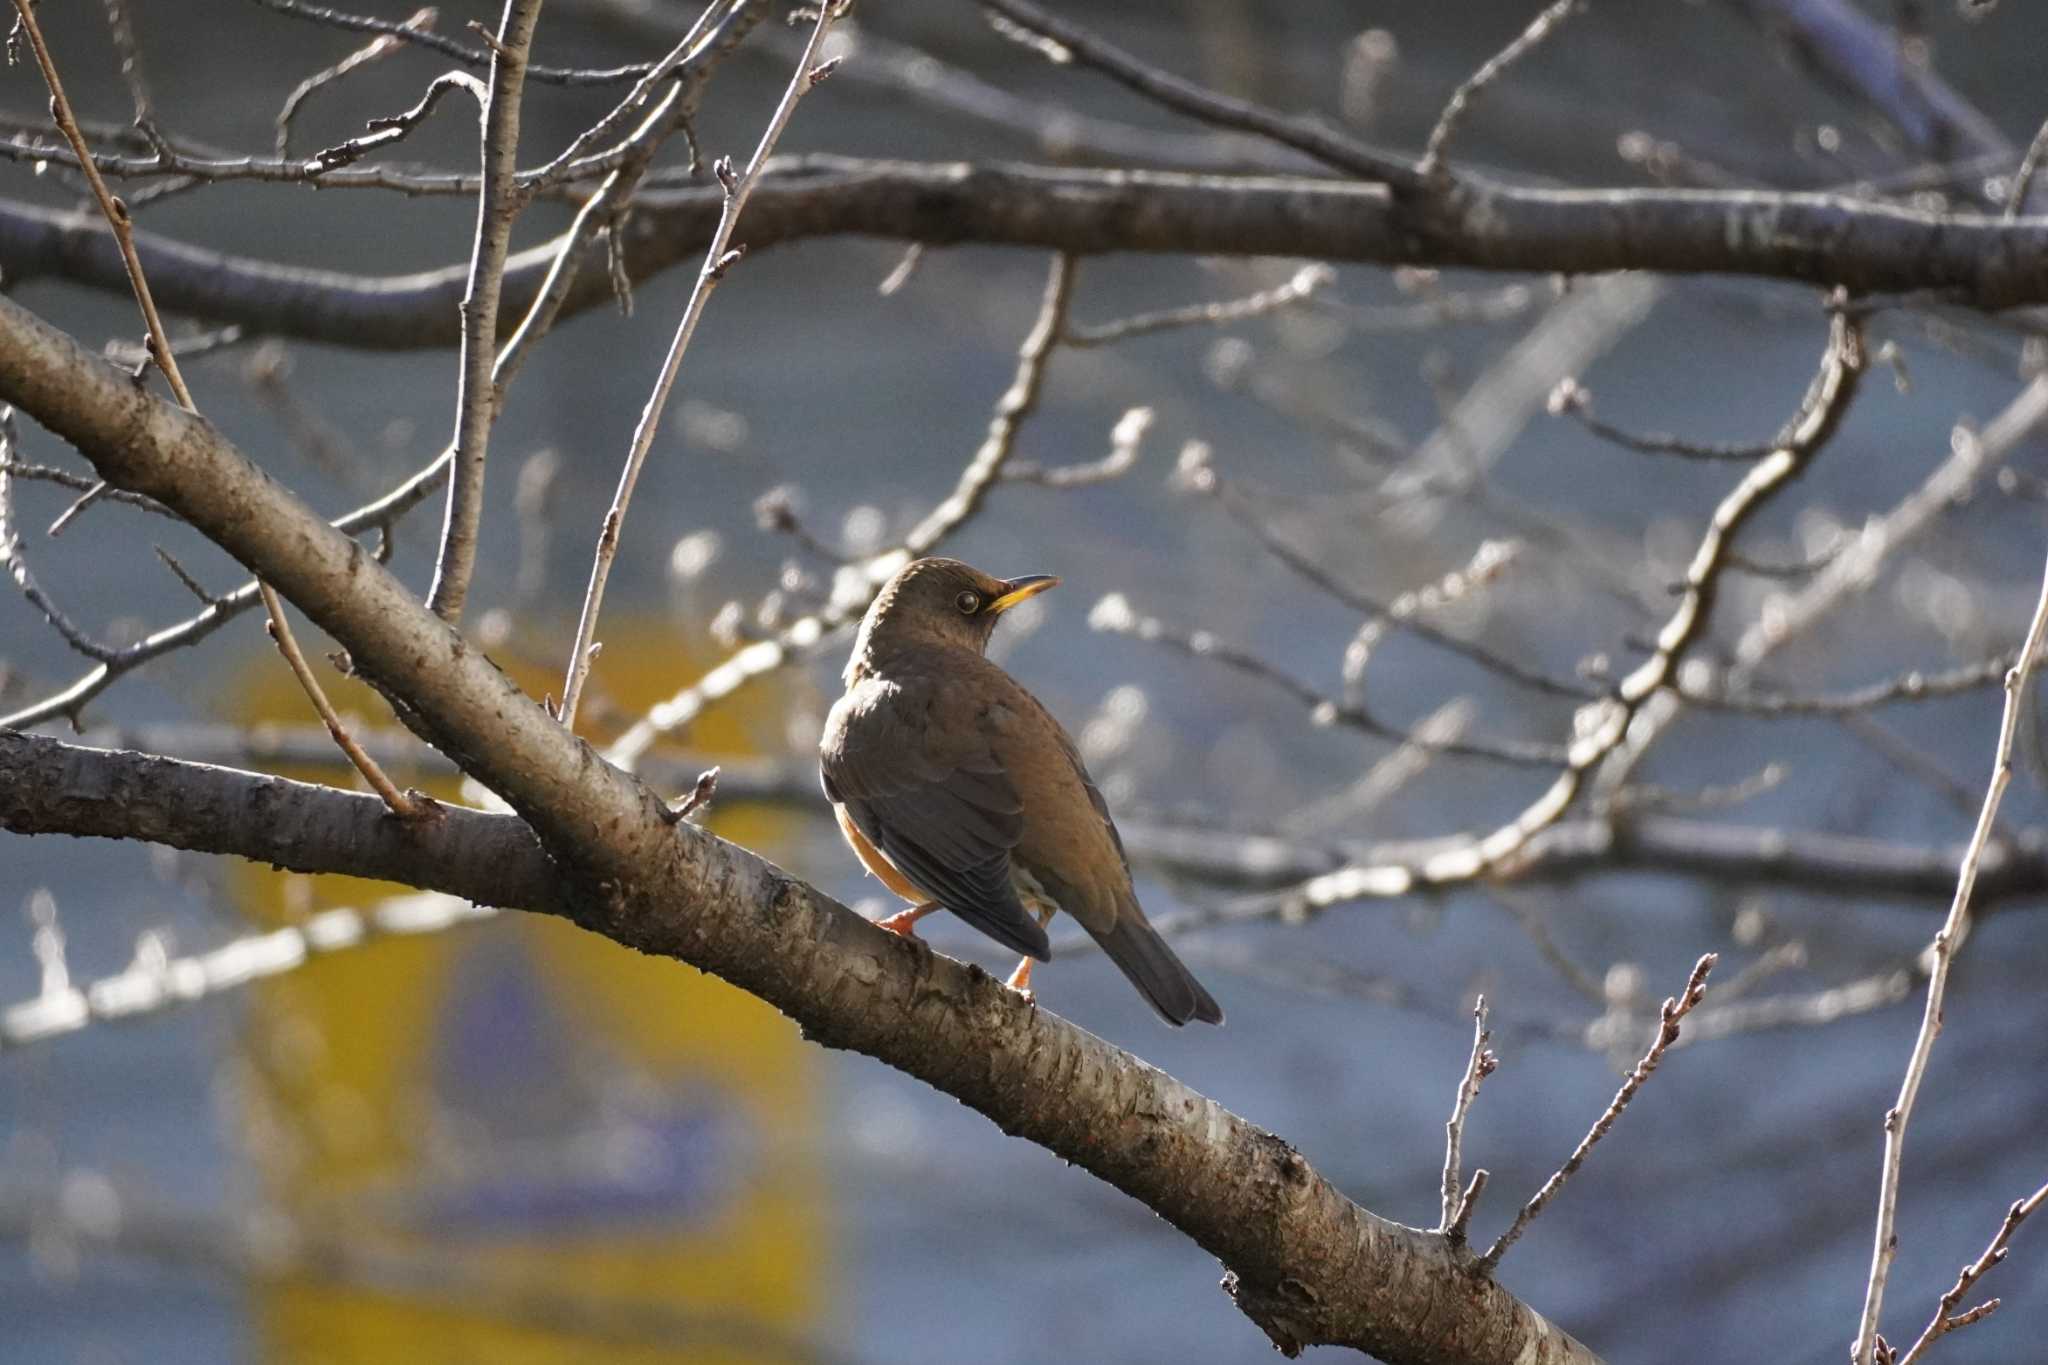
(508, 1140)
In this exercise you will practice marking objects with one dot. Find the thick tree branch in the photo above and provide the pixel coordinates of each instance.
(1304, 1262)
(1822, 239)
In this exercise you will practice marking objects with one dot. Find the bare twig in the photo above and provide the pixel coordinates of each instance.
(1602, 727)
(1912, 686)
(161, 351)
(15, 562)
(379, 515)
(405, 31)
(1298, 287)
(1673, 1011)
(121, 26)
(1532, 921)
(1113, 614)
(856, 587)
(1126, 439)
(1572, 399)
(382, 132)
(1201, 476)
(379, 47)
(716, 30)
(1432, 164)
(1457, 1205)
(695, 800)
(1942, 954)
(405, 805)
(2023, 179)
(719, 256)
(112, 209)
(497, 208)
(1855, 567)
(1307, 136)
(1946, 1319)
(157, 981)
(1801, 1009)
(185, 578)
(564, 256)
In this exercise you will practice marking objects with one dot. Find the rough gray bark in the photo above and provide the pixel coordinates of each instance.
(1820, 239)
(1303, 1261)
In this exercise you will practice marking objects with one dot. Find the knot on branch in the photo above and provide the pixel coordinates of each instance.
(1287, 1310)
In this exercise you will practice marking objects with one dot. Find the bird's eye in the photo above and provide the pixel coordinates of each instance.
(968, 602)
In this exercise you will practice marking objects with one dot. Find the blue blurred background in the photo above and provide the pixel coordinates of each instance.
(511, 1141)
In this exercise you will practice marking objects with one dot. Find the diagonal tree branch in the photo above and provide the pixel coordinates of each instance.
(1304, 1262)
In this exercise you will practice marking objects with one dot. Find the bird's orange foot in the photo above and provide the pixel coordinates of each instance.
(904, 922)
(1020, 980)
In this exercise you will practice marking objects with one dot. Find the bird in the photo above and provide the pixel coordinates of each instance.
(958, 790)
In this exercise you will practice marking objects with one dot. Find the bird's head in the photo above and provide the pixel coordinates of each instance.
(940, 602)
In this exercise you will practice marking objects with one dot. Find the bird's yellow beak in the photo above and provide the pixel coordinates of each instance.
(1019, 589)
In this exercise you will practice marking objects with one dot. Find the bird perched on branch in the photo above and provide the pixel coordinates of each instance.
(961, 792)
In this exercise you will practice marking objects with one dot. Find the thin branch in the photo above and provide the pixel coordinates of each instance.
(156, 981)
(1602, 727)
(1574, 400)
(719, 256)
(378, 48)
(688, 61)
(404, 805)
(380, 515)
(1946, 1319)
(1860, 558)
(192, 168)
(1126, 440)
(1051, 126)
(1801, 1009)
(1384, 779)
(1203, 478)
(1299, 287)
(1942, 952)
(476, 408)
(696, 799)
(112, 209)
(1912, 686)
(121, 26)
(184, 577)
(382, 132)
(853, 590)
(1803, 567)
(1431, 167)
(165, 356)
(1308, 136)
(1114, 615)
(1531, 919)
(404, 31)
(2023, 179)
(1674, 1010)
(562, 258)
(1435, 310)
(1457, 1203)
(15, 561)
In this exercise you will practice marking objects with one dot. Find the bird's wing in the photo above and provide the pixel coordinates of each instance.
(1057, 851)
(935, 800)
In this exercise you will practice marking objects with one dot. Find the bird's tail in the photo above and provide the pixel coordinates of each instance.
(1162, 978)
